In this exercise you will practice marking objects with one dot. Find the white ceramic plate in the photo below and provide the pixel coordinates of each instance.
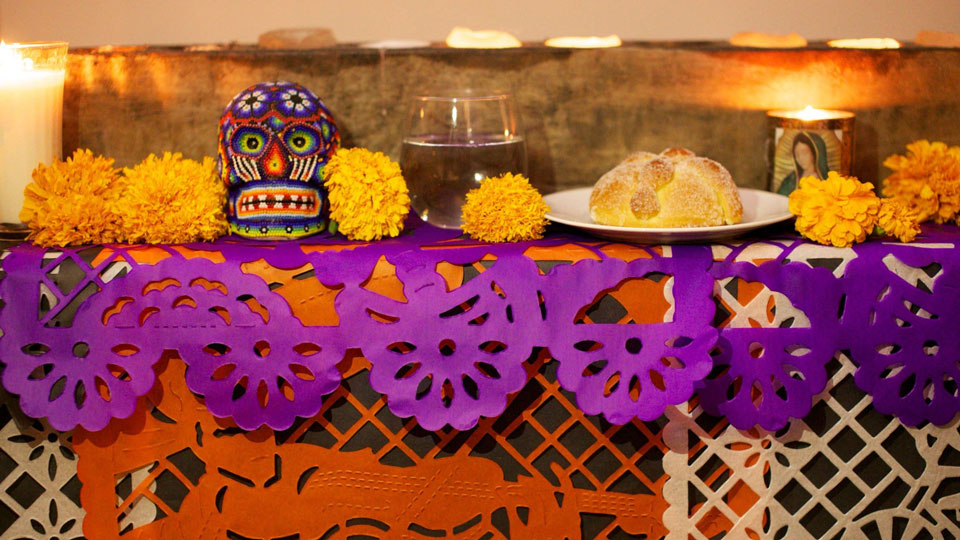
(760, 208)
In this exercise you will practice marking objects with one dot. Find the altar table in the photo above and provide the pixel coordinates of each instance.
(430, 386)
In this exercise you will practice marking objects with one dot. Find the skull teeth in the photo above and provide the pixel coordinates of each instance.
(277, 202)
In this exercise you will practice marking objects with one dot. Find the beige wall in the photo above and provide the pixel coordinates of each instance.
(98, 22)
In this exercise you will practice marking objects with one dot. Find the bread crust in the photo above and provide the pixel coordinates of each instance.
(673, 189)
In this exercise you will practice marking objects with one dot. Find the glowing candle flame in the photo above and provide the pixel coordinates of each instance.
(11, 62)
(865, 43)
(584, 42)
(808, 114)
(768, 41)
(466, 38)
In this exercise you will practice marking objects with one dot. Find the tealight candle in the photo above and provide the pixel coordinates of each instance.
(31, 108)
(865, 43)
(808, 142)
(465, 38)
(396, 44)
(761, 40)
(584, 42)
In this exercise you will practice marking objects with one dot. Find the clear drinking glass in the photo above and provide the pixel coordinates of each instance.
(452, 142)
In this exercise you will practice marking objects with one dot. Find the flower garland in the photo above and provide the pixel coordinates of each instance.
(505, 209)
(85, 199)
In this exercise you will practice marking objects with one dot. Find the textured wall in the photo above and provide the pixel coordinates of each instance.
(176, 22)
(583, 110)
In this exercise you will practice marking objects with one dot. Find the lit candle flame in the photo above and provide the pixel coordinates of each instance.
(584, 42)
(768, 41)
(809, 113)
(466, 38)
(11, 62)
(865, 43)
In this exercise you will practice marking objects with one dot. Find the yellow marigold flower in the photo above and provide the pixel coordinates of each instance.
(897, 218)
(928, 179)
(72, 202)
(368, 195)
(170, 200)
(505, 209)
(837, 211)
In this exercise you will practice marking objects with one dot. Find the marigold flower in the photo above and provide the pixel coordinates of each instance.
(837, 211)
(897, 218)
(72, 202)
(927, 178)
(505, 209)
(368, 195)
(169, 200)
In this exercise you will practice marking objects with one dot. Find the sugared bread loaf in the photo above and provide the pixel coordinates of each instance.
(673, 189)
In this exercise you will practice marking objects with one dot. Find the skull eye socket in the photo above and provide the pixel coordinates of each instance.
(302, 141)
(249, 141)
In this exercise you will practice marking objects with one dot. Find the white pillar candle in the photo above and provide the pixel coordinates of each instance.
(31, 109)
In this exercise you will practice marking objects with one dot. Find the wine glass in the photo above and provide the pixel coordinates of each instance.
(452, 142)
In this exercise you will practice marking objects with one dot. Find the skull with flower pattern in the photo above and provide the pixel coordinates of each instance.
(275, 139)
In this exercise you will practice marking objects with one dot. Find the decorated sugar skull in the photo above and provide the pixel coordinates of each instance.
(275, 139)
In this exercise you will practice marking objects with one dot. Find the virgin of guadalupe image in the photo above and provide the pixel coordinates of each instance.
(809, 159)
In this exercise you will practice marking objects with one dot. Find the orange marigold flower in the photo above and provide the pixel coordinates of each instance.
(505, 209)
(73, 202)
(927, 178)
(897, 218)
(838, 211)
(169, 200)
(368, 195)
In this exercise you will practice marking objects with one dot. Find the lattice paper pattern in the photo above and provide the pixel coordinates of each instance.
(39, 488)
(846, 471)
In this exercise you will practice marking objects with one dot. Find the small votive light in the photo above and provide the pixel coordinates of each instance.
(768, 41)
(396, 44)
(807, 142)
(865, 43)
(297, 38)
(584, 42)
(31, 109)
(465, 38)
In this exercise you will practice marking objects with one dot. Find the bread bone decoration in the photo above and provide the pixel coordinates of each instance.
(275, 138)
(673, 189)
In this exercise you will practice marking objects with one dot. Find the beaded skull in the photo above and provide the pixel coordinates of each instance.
(275, 139)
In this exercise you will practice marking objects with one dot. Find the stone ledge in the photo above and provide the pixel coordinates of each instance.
(583, 109)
